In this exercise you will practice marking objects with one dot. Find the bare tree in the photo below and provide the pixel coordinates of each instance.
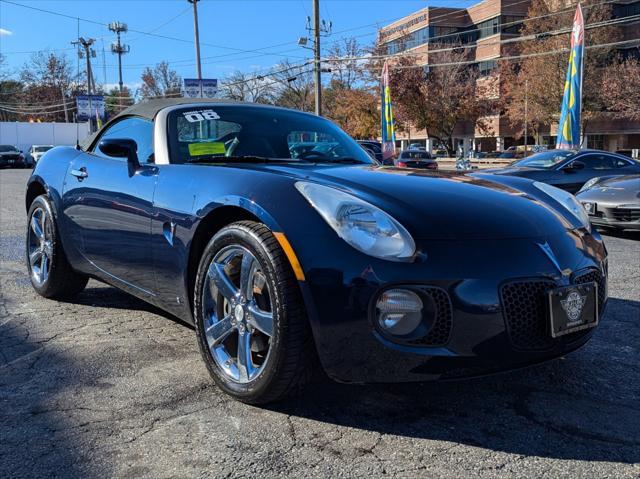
(347, 71)
(541, 76)
(160, 81)
(241, 86)
(294, 86)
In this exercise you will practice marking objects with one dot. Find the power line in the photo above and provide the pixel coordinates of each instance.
(535, 36)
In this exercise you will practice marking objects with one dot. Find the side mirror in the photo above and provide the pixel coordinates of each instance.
(122, 148)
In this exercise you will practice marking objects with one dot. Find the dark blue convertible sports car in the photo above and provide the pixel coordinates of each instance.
(282, 255)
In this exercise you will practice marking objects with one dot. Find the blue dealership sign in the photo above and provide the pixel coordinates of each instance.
(89, 106)
(193, 87)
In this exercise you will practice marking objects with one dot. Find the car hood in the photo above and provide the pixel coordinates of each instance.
(617, 190)
(444, 206)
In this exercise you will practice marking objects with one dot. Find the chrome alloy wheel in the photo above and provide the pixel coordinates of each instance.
(237, 312)
(40, 245)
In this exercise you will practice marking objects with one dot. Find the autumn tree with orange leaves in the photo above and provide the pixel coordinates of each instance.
(540, 76)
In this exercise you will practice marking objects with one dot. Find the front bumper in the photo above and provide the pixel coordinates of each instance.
(612, 223)
(612, 216)
(13, 163)
(339, 295)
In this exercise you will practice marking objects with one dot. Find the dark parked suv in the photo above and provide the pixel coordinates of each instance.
(12, 157)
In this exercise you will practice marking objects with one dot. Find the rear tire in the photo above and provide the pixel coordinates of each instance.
(49, 270)
(248, 305)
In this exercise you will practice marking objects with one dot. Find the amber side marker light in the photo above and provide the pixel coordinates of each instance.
(291, 255)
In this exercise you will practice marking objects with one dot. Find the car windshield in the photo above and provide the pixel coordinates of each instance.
(226, 133)
(6, 148)
(417, 154)
(546, 159)
(41, 149)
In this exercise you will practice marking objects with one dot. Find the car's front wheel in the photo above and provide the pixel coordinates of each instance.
(252, 329)
(49, 270)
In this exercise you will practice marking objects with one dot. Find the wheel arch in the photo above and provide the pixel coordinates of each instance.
(208, 226)
(35, 189)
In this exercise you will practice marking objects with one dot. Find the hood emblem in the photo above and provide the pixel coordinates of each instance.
(573, 305)
(546, 249)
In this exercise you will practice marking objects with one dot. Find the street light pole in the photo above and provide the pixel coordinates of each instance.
(316, 56)
(197, 39)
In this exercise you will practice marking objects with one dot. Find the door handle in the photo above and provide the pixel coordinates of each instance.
(80, 174)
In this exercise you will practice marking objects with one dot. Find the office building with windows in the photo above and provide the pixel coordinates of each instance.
(482, 29)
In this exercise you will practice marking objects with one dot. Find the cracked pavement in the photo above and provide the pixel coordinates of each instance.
(109, 386)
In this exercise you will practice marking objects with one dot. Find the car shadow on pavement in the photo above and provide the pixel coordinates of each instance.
(625, 234)
(581, 407)
(104, 296)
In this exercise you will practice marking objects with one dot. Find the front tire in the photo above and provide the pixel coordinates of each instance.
(250, 320)
(49, 270)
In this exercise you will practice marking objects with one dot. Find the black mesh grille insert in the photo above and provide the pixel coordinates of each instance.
(525, 311)
(524, 306)
(440, 331)
(594, 276)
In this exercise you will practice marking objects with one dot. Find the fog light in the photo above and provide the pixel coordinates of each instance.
(399, 311)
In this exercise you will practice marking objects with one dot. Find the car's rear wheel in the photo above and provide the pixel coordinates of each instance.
(252, 329)
(49, 270)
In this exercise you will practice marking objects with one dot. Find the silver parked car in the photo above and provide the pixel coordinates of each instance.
(613, 201)
(36, 151)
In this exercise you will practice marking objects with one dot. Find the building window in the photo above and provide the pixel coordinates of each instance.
(411, 40)
(440, 34)
(511, 24)
(595, 142)
(628, 10)
(505, 24)
(486, 67)
(488, 27)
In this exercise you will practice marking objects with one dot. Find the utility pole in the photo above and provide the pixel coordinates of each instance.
(526, 114)
(319, 28)
(316, 56)
(88, 53)
(119, 48)
(197, 40)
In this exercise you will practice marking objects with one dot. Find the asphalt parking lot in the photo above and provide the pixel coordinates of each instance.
(111, 387)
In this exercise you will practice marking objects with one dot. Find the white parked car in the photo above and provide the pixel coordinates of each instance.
(36, 151)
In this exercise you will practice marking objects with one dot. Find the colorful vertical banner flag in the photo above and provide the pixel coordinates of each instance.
(388, 127)
(569, 127)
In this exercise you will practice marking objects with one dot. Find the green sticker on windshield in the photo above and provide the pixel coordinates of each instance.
(211, 148)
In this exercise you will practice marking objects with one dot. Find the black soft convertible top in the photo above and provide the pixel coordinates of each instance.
(149, 109)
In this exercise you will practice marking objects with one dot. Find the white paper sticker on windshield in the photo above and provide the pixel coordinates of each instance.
(200, 115)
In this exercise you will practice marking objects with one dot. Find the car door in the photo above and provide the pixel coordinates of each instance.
(572, 179)
(108, 207)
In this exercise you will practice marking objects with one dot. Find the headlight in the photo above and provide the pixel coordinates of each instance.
(589, 184)
(568, 201)
(362, 225)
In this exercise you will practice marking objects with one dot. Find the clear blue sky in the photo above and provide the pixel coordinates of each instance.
(271, 25)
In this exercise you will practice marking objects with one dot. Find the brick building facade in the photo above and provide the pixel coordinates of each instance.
(483, 28)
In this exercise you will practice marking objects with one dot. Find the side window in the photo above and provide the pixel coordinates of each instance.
(136, 129)
(597, 162)
(620, 163)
